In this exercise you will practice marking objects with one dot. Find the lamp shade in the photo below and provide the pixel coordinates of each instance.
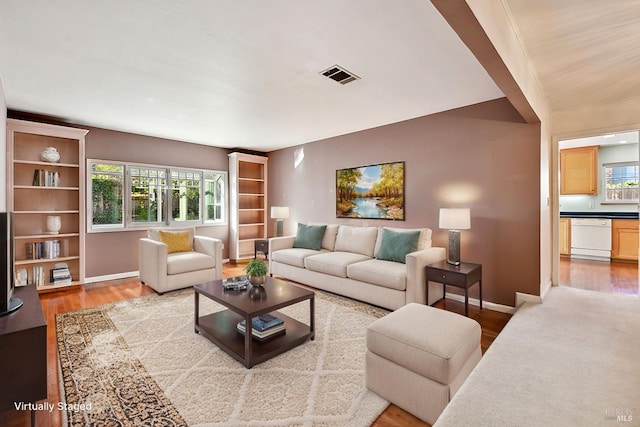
(455, 219)
(280, 212)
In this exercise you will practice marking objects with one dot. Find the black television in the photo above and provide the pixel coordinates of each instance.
(8, 303)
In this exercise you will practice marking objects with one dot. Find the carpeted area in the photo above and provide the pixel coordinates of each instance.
(571, 361)
(139, 362)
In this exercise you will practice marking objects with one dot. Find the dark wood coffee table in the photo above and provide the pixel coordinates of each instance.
(220, 327)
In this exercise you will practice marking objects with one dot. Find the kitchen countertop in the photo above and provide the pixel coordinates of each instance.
(612, 215)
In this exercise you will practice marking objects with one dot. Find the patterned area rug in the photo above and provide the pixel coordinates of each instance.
(139, 362)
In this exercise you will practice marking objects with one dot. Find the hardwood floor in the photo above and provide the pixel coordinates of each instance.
(610, 277)
(92, 295)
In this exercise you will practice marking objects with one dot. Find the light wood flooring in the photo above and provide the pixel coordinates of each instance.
(609, 277)
(96, 294)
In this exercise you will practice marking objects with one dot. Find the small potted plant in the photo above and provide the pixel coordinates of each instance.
(257, 271)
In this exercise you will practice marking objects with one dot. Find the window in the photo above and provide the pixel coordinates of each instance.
(107, 195)
(186, 187)
(621, 182)
(148, 187)
(213, 196)
(153, 196)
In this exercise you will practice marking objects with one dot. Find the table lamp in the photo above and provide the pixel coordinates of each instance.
(455, 220)
(279, 213)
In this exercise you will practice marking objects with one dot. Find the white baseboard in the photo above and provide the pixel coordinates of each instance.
(111, 277)
(521, 298)
(485, 304)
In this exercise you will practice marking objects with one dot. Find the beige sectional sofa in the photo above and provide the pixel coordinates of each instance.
(347, 264)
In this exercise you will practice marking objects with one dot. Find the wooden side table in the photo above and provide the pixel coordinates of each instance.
(462, 276)
(261, 245)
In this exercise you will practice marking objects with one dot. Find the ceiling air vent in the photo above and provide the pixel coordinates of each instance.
(339, 74)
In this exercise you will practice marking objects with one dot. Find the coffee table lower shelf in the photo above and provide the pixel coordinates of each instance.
(221, 329)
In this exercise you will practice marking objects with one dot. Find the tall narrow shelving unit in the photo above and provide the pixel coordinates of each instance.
(248, 203)
(34, 199)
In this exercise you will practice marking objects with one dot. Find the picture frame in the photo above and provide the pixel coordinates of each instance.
(371, 192)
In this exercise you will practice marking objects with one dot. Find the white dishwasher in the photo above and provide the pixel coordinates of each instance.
(591, 238)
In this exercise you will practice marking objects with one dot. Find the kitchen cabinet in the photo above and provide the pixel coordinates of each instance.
(624, 239)
(565, 236)
(579, 170)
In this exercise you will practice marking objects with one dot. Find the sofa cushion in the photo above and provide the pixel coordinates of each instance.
(396, 245)
(424, 241)
(182, 262)
(333, 263)
(176, 241)
(388, 274)
(329, 238)
(309, 236)
(359, 240)
(294, 256)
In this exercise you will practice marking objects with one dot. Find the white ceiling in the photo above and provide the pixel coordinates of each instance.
(231, 73)
(583, 52)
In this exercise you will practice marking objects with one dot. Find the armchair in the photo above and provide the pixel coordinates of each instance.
(165, 270)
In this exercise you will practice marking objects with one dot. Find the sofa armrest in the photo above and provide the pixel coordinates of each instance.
(284, 242)
(277, 243)
(210, 246)
(152, 261)
(416, 263)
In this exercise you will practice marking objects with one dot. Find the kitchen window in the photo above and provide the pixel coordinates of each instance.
(621, 182)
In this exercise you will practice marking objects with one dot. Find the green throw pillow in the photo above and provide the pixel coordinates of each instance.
(309, 236)
(396, 245)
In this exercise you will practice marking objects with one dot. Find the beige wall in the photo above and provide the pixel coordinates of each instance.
(482, 157)
(117, 252)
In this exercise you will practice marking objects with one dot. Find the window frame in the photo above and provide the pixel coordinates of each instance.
(129, 225)
(605, 182)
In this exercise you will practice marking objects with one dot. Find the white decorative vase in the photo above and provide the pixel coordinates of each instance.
(54, 224)
(50, 154)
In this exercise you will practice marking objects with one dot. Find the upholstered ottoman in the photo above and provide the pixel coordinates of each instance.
(419, 356)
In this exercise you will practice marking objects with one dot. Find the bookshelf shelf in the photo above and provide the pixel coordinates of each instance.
(33, 203)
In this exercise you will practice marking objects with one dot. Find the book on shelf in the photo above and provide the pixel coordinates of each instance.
(22, 278)
(49, 249)
(264, 322)
(45, 178)
(37, 275)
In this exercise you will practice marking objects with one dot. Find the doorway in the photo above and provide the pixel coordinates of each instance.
(599, 185)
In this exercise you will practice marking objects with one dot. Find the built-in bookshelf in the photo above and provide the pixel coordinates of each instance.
(46, 195)
(248, 203)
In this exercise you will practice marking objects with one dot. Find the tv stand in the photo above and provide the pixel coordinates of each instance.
(14, 304)
(23, 352)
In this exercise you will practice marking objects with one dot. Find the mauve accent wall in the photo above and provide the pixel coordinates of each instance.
(117, 252)
(482, 157)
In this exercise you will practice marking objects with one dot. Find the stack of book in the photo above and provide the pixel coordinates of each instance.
(264, 327)
(60, 275)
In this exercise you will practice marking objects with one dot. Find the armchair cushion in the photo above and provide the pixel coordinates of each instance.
(176, 241)
(182, 262)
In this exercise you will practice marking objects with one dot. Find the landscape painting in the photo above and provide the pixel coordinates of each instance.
(372, 192)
